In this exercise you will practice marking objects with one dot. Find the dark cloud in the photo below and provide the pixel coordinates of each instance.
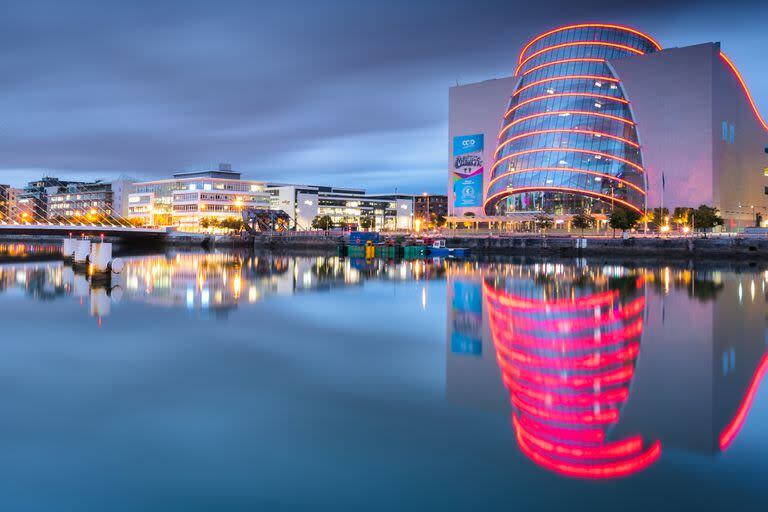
(345, 92)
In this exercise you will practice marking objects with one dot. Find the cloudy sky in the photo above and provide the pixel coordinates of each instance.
(343, 92)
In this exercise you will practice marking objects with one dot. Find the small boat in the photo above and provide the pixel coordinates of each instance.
(438, 248)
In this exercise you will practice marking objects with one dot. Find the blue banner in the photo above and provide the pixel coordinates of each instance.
(468, 192)
(467, 144)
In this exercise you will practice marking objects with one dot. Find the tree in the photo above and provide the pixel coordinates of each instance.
(440, 221)
(624, 218)
(682, 215)
(706, 217)
(582, 221)
(232, 224)
(658, 217)
(367, 222)
(543, 221)
(324, 222)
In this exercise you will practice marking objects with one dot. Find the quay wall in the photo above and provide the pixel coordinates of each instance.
(716, 247)
(712, 247)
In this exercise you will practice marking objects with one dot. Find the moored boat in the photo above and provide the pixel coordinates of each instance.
(439, 248)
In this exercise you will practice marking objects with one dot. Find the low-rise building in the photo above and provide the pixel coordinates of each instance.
(430, 208)
(35, 195)
(96, 200)
(345, 206)
(191, 198)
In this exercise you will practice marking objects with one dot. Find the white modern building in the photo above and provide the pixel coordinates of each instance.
(189, 197)
(345, 206)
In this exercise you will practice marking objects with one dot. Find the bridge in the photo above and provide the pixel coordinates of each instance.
(87, 230)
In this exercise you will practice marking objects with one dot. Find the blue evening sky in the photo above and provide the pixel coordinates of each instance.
(342, 92)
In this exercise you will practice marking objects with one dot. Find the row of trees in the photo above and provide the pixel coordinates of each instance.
(326, 223)
(230, 223)
(625, 219)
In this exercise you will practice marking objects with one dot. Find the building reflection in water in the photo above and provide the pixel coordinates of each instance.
(601, 366)
(567, 349)
(207, 283)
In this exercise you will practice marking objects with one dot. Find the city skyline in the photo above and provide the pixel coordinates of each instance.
(148, 91)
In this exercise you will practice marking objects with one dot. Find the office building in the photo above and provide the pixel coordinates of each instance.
(98, 200)
(190, 197)
(430, 208)
(347, 207)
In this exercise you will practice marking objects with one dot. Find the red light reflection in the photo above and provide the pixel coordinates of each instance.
(567, 365)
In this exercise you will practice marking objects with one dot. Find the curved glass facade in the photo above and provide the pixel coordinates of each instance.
(568, 140)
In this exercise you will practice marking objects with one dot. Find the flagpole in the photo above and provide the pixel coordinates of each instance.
(663, 186)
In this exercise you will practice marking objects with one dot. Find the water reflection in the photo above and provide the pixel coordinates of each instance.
(601, 366)
(207, 283)
(604, 370)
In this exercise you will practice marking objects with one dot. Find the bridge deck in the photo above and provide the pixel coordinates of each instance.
(76, 231)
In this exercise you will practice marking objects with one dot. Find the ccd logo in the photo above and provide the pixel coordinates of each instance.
(468, 143)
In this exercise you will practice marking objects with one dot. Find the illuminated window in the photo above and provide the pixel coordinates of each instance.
(725, 131)
(733, 135)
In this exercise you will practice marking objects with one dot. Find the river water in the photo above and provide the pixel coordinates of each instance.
(240, 381)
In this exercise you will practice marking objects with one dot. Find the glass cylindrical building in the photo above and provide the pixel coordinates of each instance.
(568, 141)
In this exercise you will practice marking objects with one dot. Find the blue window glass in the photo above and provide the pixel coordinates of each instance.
(569, 139)
(733, 135)
(725, 131)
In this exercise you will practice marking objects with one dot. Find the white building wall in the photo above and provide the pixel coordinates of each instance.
(680, 98)
(476, 109)
(670, 94)
(306, 209)
(404, 214)
(121, 189)
(740, 182)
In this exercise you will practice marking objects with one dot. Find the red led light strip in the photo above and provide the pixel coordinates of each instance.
(562, 95)
(598, 299)
(605, 378)
(577, 43)
(580, 400)
(587, 418)
(565, 150)
(586, 362)
(562, 61)
(617, 449)
(733, 428)
(563, 325)
(567, 169)
(563, 113)
(606, 470)
(597, 195)
(566, 77)
(747, 93)
(587, 25)
(605, 340)
(584, 435)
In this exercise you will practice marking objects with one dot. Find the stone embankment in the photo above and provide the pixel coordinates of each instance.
(737, 247)
(714, 247)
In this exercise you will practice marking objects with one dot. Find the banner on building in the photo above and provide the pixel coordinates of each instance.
(468, 171)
